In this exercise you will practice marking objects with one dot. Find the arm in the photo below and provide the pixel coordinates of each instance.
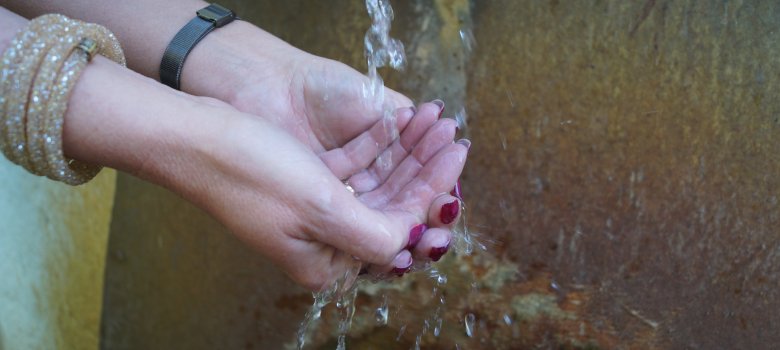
(264, 185)
(258, 73)
(145, 27)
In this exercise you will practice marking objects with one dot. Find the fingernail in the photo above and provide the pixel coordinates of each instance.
(401, 270)
(437, 252)
(465, 142)
(415, 234)
(449, 212)
(456, 191)
(439, 103)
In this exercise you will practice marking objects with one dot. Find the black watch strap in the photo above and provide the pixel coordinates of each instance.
(207, 19)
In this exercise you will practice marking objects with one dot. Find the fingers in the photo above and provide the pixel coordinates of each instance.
(388, 160)
(423, 198)
(360, 152)
(436, 145)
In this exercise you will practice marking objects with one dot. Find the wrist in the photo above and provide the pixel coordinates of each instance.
(122, 120)
(236, 57)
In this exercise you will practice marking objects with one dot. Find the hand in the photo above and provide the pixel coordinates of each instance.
(323, 105)
(276, 195)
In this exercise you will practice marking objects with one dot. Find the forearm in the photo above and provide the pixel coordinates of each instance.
(117, 118)
(145, 27)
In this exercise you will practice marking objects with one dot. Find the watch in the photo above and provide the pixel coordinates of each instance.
(207, 19)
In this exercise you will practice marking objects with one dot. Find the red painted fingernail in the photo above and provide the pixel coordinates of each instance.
(437, 252)
(439, 103)
(456, 191)
(401, 270)
(449, 212)
(415, 234)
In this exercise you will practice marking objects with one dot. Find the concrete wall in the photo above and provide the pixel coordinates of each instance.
(52, 250)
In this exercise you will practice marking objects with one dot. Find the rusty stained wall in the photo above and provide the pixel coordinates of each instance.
(631, 149)
(624, 162)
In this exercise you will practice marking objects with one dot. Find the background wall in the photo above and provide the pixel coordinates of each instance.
(53, 242)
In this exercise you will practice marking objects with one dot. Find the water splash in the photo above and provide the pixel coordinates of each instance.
(344, 290)
(321, 300)
(383, 51)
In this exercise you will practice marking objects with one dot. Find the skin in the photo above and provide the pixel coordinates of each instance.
(269, 161)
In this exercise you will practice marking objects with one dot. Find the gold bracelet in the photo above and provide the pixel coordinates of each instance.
(12, 126)
(39, 70)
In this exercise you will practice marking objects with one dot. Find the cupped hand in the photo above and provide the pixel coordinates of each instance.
(328, 106)
(276, 194)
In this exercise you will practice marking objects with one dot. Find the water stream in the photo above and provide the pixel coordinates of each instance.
(381, 50)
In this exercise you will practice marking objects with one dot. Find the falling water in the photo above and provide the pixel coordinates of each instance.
(380, 50)
(383, 51)
(344, 290)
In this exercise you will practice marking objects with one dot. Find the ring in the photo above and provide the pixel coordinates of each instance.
(349, 188)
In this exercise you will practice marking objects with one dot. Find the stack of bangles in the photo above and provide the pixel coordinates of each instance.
(38, 72)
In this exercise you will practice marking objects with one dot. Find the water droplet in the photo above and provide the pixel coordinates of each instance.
(462, 118)
(381, 313)
(507, 320)
(467, 39)
(437, 328)
(469, 322)
(554, 286)
(441, 280)
(400, 333)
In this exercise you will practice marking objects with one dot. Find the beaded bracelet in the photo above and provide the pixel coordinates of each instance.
(38, 71)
